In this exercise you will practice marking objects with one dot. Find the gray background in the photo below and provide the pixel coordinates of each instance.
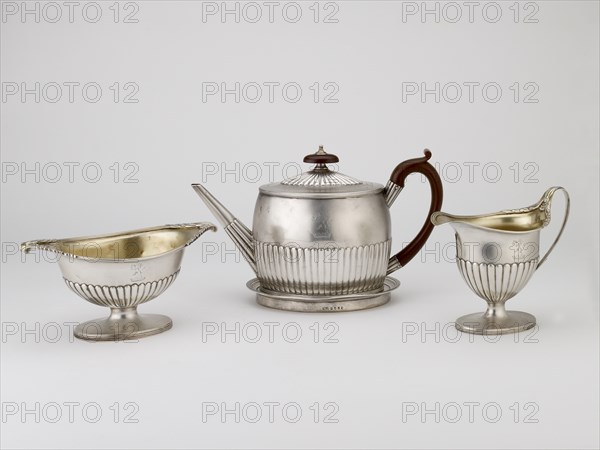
(171, 138)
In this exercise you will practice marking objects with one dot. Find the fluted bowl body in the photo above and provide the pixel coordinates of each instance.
(122, 270)
(121, 283)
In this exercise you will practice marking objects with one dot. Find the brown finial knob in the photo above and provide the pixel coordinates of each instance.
(321, 157)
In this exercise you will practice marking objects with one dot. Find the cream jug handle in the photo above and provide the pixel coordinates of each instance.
(544, 206)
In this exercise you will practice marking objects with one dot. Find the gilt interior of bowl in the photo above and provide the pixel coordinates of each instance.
(127, 246)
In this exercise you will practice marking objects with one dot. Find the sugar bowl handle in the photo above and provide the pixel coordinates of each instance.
(393, 188)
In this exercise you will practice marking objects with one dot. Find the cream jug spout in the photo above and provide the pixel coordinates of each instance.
(239, 233)
(440, 218)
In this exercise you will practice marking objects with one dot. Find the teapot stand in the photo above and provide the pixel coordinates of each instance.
(323, 303)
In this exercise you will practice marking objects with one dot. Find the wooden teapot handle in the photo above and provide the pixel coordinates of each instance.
(397, 179)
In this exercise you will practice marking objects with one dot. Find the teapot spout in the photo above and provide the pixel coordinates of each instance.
(239, 233)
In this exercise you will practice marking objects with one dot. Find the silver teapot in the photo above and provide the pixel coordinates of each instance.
(321, 241)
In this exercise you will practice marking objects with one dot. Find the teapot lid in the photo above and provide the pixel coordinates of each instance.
(321, 181)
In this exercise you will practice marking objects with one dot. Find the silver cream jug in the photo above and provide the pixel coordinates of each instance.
(497, 254)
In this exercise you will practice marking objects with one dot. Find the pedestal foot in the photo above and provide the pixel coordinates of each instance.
(482, 323)
(123, 324)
